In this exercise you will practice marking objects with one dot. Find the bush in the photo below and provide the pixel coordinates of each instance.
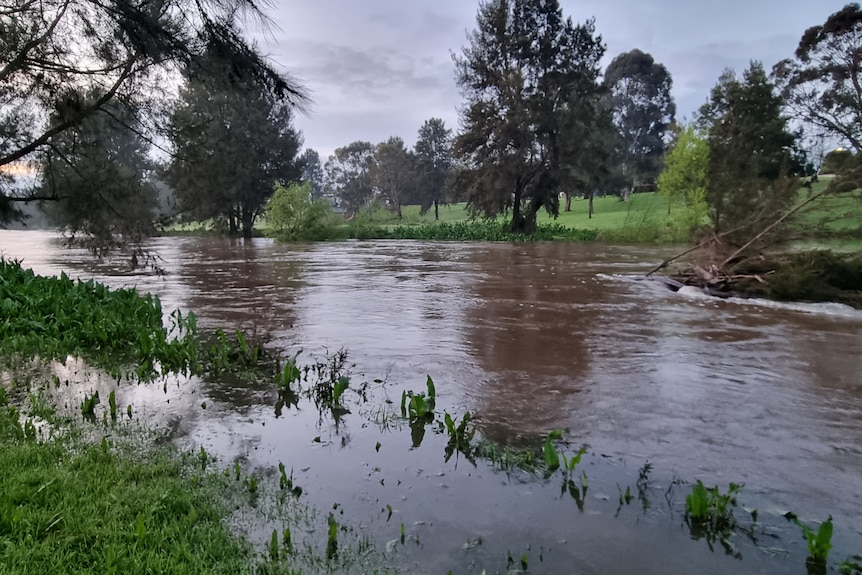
(293, 215)
(815, 276)
(836, 161)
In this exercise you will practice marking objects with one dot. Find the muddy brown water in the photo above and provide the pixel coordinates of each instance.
(528, 338)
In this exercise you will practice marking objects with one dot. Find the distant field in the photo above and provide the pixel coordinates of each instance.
(609, 213)
(830, 216)
(829, 221)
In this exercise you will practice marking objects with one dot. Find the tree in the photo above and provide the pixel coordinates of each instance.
(348, 175)
(312, 172)
(750, 153)
(525, 71)
(61, 61)
(294, 214)
(684, 178)
(822, 85)
(233, 141)
(590, 142)
(392, 172)
(101, 176)
(434, 164)
(638, 91)
(836, 161)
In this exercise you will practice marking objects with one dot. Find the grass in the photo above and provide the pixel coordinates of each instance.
(117, 506)
(71, 505)
(644, 218)
(830, 216)
(609, 213)
(98, 495)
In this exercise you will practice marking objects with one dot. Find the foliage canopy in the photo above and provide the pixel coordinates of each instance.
(527, 75)
(822, 84)
(233, 140)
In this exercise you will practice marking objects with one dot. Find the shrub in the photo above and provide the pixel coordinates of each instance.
(293, 215)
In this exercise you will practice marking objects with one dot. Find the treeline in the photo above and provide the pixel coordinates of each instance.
(117, 155)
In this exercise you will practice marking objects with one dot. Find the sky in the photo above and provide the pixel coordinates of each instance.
(380, 68)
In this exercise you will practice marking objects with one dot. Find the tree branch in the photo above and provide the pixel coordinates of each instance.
(16, 63)
(66, 124)
(745, 246)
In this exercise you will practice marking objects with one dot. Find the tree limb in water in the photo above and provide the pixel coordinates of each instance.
(795, 209)
(746, 245)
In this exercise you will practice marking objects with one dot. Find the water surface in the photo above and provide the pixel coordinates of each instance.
(528, 338)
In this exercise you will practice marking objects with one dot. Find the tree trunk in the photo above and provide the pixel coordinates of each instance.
(517, 219)
(590, 214)
(436, 212)
(398, 210)
(247, 222)
(232, 228)
(568, 202)
(530, 225)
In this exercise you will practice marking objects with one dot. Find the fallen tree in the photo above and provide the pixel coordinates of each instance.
(764, 266)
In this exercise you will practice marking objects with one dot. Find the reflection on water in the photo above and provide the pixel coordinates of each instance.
(528, 338)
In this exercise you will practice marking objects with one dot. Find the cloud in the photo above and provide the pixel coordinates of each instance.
(379, 68)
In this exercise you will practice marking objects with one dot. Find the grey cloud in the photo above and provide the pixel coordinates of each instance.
(378, 68)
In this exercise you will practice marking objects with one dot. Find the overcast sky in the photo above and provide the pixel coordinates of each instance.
(379, 68)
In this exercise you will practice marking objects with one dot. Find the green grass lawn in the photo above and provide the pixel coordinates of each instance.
(609, 213)
(830, 215)
(643, 218)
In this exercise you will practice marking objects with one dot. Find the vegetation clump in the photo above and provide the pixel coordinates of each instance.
(53, 318)
(106, 509)
(811, 276)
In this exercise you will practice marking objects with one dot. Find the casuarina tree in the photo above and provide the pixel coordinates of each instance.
(234, 141)
(751, 164)
(62, 61)
(525, 71)
(434, 164)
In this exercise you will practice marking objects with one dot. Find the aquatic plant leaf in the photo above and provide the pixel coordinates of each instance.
(552, 459)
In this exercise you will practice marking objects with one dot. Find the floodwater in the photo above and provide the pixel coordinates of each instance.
(527, 338)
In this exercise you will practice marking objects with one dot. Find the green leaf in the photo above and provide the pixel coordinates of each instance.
(552, 459)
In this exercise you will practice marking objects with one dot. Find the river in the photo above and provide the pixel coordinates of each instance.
(527, 338)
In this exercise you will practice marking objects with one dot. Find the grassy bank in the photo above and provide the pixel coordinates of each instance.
(70, 506)
(644, 218)
(89, 489)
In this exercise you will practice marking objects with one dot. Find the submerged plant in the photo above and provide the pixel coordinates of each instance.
(552, 458)
(331, 538)
(419, 405)
(273, 545)
(290, 374)
(459, 437)
(819, 542)
(851, 566)
(112, 405)
(332, 381)
(709, 512)
(285, 482)
(88, 406)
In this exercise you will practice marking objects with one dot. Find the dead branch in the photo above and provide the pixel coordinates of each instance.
(766, 230)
